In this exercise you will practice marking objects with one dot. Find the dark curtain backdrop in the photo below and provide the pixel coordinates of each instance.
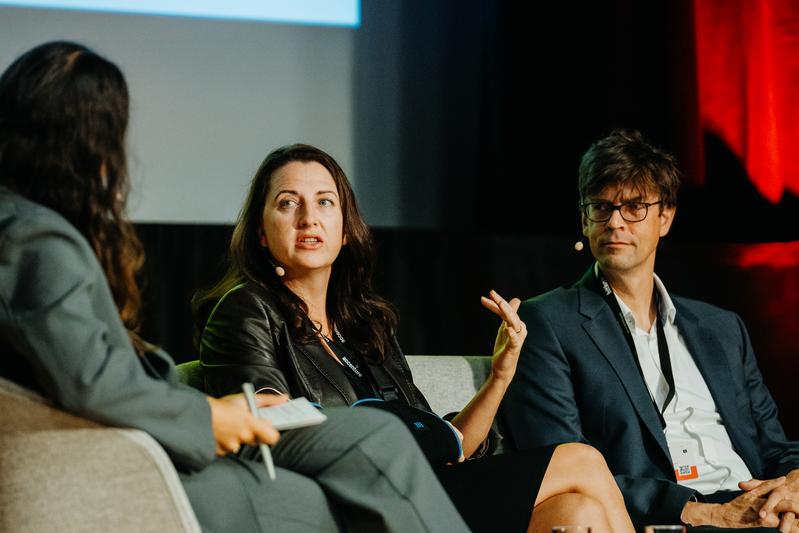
(499, 100)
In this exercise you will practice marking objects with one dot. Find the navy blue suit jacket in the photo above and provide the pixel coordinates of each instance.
(577, 381)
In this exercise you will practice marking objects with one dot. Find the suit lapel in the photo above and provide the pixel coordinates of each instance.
(603, 329)
(708, 353)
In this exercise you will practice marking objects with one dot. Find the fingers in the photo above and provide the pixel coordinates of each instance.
(766, 486)
(233, 425)
(227, 445)
(268, 400)
(507, 311)
(787, 522)
(489, 304)
(264, 433)
(786, 505)
(775, 502)
(256, 431)
(749, 485)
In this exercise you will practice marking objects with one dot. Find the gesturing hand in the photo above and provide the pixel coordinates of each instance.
(234, 425)
(510, 336)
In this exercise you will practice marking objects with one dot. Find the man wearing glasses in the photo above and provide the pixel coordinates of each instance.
(665, 387)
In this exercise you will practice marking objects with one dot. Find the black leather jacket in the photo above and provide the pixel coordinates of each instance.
(247, 338)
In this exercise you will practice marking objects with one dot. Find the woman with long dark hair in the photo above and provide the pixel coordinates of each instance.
(69, 313)
(296, 314)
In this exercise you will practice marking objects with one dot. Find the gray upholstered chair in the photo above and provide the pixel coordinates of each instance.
(447, 381)
(59, 472)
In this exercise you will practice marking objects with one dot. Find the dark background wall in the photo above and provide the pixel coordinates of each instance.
(476, 155)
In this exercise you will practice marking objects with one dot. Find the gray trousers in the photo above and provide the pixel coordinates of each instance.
(360, 471)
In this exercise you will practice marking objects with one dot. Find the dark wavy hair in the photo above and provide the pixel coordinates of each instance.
(626, 159)
(63, 118)
(366, 320)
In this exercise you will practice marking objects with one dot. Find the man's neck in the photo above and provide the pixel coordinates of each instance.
(635, 289)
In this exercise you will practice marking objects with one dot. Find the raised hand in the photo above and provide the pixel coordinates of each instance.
(510, 336)
(233, 425)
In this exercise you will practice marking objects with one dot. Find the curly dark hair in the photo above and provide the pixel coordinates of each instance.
(626, 159)
(63, 118)
(365, 319)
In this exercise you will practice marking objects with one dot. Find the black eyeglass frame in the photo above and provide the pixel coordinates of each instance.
(617, 207)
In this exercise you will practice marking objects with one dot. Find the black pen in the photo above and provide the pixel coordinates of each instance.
(249, 393)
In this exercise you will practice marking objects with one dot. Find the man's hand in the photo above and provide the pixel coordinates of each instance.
(743, 511)
(780, 496)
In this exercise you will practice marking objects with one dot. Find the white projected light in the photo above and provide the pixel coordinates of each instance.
(326, 12)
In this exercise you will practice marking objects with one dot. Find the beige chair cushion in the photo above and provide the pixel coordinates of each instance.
(59, 472)
(449, 381)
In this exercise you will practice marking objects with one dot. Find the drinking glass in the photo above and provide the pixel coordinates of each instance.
(664, 529)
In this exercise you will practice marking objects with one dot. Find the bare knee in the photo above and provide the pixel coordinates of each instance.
(571, 509)
(576, 467)
(585, 510)
(580, 457)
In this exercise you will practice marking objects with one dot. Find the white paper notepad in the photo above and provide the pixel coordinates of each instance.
(296, 413)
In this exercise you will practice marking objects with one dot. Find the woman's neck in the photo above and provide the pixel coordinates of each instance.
(313, 291)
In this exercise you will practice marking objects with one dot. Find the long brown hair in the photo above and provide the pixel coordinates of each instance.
(63, 118)
(366, 320)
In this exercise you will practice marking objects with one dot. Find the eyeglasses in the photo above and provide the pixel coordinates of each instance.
(629, 211)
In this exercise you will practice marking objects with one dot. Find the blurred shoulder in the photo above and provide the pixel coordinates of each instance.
(22, 218)
(38, 242)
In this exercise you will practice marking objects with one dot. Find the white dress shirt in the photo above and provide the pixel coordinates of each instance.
(692, 419)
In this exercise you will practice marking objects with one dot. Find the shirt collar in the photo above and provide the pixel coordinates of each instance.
(667, 308)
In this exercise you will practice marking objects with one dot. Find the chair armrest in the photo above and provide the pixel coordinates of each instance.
(59, 472)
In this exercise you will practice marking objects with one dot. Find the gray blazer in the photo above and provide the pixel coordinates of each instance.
(60, 334)
(577, 381)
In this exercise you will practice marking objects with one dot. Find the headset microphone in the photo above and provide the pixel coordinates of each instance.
(279, 270)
